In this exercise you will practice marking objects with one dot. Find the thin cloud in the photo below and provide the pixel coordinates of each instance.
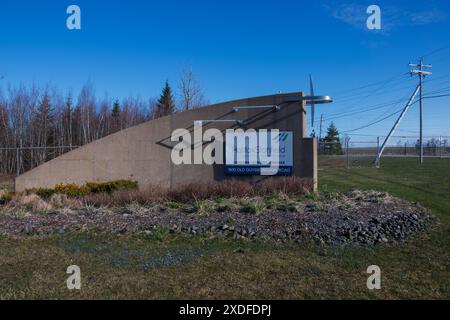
(427, 17)
(353, 14)
(391, 17)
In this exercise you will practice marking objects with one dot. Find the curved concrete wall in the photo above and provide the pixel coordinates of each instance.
(142, 153)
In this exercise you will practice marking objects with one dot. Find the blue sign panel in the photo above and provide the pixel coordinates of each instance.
(244, 154)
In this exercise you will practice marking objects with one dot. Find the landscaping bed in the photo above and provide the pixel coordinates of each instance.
(357, 217)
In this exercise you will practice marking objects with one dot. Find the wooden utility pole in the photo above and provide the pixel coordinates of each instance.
(320, 130)
(421, 73)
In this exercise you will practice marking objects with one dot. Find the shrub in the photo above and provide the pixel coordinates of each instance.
(174, 205)
(109, 187)
(5, 196)
(71, 190)
(252, 205)
(44, 193)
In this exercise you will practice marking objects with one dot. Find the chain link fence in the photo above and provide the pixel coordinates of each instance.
(350, 152)
(353, 152)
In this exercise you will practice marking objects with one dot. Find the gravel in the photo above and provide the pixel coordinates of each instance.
(358, 218)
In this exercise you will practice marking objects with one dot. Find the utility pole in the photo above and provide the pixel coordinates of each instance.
(347, 148)
(378, 145)
(422, 74)
(320, 129)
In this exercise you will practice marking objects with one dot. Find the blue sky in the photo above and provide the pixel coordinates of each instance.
(236, 49)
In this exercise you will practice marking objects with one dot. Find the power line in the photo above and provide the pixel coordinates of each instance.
(441, 90)
(354, 106)
(368, 93)
(364, 109)
(374, 123)
(382, 115)
(378, 121)
(397, 78)
(437, 50)
(390, 79)
(438, 96)
(379, 90)
(394, 102)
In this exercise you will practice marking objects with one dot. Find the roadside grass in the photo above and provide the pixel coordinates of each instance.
(161, 265)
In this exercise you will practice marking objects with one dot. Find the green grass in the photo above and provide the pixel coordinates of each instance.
(163, 265)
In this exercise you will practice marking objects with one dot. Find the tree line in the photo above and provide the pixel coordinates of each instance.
(39, 124)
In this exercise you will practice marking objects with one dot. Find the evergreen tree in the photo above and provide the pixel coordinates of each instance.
(68, 122)
(332, 143)
(165, 105)
(45, 118)
(44, 126)
(115, 114)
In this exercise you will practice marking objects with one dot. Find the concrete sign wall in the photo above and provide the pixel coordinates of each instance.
(143, 153)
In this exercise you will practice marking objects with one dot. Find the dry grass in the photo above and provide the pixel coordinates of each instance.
(32, 202)
(196, 194)
(64, 201)
(193, 192)
(291, 186)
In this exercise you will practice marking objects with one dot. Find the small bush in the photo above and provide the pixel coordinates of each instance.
(226, 204)
(252, 205)
(71, 190)
(44, 193)
(174, 205)
(5, 196)
(110, 187)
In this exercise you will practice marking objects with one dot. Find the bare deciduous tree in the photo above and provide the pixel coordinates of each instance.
(190, 91)
(37, 125)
